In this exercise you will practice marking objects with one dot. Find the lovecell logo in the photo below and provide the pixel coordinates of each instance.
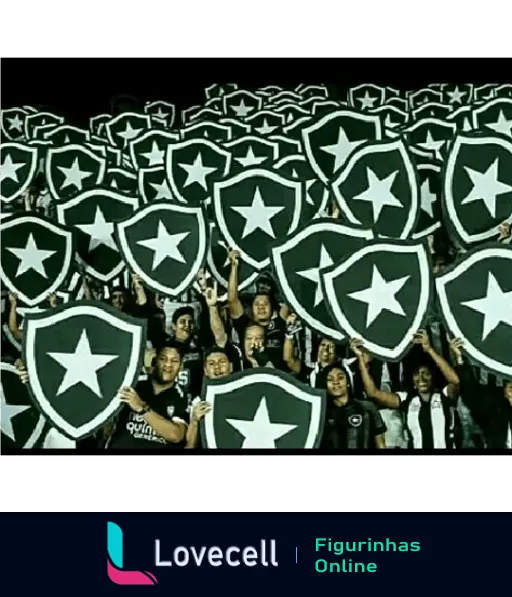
(115, 569)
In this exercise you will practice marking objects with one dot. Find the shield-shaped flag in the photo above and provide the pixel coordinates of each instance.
(126, 127)
(65, 134)
(121, 180)
(316, 194)
(21, 424)
(398, 102)
(475, 296)
(92, 214)
(366, 96)
(430, 184)
(299, 260)
(193, 166)
(241, 103)
(152, 184)
(378, 188)
(265, 122)
(381, 294)
(148, 149)
(457, 95)
(321, 108)
(77, 357)
(424, 96)
(431, 110)
(291, 112)
(36, 256)
(187, 114)
(19, 166)
(39, 132)
(72, 169)
(219, 90)
(250, 151)
(32, 121)
(495, 115)
(95, 121)
(284, 97)
(238, 128)
(294, 129)
(256, 206)
(484, 93)
(307, 91)
(285, 145)
(165, 244)
(12, 123)
(220, 266)
(462, 117)
(209, 114)
(431, 134)
(269, 90)
(161, 111)
(212, 131)
(262, 409)
(504, 90)
(330, 141)
(393, 118)
(477, 187)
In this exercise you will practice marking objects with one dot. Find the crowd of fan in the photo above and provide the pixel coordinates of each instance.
(395, 402)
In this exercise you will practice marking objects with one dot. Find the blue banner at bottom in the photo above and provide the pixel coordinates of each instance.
(250, 554)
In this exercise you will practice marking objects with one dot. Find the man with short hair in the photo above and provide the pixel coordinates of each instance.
(156, 415)
(217, 365)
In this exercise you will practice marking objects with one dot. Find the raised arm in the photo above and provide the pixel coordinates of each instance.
(289, 353)
(449, 373)
(387, 399)
(236, 309)
(12, 322)
(216, 324)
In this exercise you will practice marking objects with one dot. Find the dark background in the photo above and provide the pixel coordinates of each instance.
(65, 554)
(81, 87)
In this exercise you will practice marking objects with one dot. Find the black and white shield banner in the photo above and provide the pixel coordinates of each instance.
(240, 104)
(477, 194)
(381, 294)
(330, 140)
(21, 423)
(165, 244)
(72, 169)
(429, 219)
(457, 95)
(423, 96)
(66, 134)
(475, 296)
(193, 166)
(496, 116)
(149, 149)
(125, 128)
(92, 214)
(36, 256)
(152, 184)
(299, 261)
(77, 357)
(266, 122)
(19, 166)
(432, 135)
(12, 123)
(250, 151)
(255, 207)
(366, 96)
(262, 409)
(378, 188)
(161, 111)
(218, 133)
(40, 119)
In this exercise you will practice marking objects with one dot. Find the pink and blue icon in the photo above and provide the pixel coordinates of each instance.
(115, 570)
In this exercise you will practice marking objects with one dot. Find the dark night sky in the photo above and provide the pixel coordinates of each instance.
(86, 89)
